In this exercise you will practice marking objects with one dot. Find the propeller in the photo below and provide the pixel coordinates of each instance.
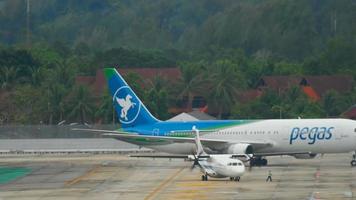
(195, 162)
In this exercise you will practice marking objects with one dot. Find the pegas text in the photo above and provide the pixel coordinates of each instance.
(311, 134)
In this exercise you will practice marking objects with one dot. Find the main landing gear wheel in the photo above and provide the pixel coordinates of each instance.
(235, 179)
(204, 177)
(258, 161)
(353, 161)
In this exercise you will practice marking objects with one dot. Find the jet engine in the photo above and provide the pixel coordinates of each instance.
(240, 149)
(305, 156)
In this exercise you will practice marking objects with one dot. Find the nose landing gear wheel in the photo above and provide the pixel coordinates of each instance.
(237, 179)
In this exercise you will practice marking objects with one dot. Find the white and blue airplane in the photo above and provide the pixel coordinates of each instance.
(213, 165)
(301, 138)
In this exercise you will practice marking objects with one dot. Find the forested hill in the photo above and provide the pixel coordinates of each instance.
(288, 29)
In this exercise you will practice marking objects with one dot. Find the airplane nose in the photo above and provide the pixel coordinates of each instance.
(240, 170)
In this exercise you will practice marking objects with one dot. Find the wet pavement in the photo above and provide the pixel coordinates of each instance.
(121, 177)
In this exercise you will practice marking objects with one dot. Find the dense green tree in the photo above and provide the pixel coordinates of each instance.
(81, 104)
(56, 94)
(136, 83)
(221, 47)
(156, 98)
(225, 83)
(105, 110)
(191, 81)
(333, 104)
(28, 104)
(8, 76)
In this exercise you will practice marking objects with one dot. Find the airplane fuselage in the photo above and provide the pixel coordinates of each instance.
(221, 166)
(283, 135)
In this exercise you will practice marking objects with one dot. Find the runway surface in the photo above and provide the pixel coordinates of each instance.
(121, 177)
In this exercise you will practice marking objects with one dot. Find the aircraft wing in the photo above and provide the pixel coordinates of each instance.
(206, 141)
(160, 156)
(125, 136)
(283, 153)
(190, 157)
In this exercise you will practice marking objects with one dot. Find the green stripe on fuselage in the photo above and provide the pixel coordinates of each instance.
(187, 134)
(229, 125)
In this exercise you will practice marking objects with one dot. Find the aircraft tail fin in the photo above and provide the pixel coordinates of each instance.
(130, 109)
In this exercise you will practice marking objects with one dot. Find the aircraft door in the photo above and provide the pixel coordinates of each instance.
(155, 132)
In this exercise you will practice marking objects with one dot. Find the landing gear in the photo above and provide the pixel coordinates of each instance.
(258, 161)
(204, 177)
(353, 161)
(235, 179)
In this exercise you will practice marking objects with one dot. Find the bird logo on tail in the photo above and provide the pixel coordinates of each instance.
(125, 104)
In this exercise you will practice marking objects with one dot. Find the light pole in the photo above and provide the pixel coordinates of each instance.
(28, 32)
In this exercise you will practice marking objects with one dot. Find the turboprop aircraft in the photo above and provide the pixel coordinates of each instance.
(214, 165)
(301, 138)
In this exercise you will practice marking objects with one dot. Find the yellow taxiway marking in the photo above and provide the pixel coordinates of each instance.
(79, 178)
(162, 185)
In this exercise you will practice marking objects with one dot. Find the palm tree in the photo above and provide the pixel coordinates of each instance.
(36, 75)
(157, 97)
(63, 73)
(8, 76)
(135, 82)
(226, 82)
(191, 81)
(331, 103)
(81, 103)
(106, 110)
(55, 102)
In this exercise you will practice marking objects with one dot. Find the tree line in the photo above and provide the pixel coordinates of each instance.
(38, 84)
(280, 28)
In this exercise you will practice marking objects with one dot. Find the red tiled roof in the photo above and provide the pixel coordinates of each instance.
(310, 92)
(350, 113)
(316, 85)
(321, 84)
(84, 80)
(172, 74)
(98, 83)
(249, 95)
(278, 82)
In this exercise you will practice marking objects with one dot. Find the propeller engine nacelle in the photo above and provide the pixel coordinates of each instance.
(305, 156)
(240, 149)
